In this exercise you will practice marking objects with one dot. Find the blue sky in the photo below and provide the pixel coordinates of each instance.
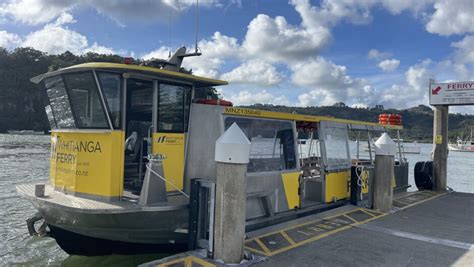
(297, 52)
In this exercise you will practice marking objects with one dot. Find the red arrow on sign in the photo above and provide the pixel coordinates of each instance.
(436, 90)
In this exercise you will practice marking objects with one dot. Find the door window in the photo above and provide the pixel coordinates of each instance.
(173, 108)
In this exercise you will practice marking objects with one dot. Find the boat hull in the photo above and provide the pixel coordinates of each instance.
(81, 228)
(77, 244)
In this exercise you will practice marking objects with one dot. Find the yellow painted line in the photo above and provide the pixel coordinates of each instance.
(255, 250)
(366, 212)
(422, 201)
(322, 225)
(308, 241)
(172, 262)
(188, 262)
(285, 235)
(262, 245)
(204, 263)
(350, 218)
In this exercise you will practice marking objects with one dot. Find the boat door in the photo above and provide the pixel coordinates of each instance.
(138, 129)
(169, 130)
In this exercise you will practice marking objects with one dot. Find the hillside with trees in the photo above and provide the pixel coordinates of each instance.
(22, 103)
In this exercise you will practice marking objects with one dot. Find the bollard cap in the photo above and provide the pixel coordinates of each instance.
(385, 146)
(233, 146)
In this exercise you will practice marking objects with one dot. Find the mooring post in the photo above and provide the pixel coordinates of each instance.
(440, 148)
(232, 157)
(385, 150)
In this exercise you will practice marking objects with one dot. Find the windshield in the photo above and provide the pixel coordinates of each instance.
(59, 102)
(75, 101)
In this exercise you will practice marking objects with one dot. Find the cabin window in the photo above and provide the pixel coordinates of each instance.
(110, 83)
(273, 145)
(85, 100)
(336, 147)
(173, 108)
(59, 102)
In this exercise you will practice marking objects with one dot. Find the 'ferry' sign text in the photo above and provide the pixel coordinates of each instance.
(455, 93)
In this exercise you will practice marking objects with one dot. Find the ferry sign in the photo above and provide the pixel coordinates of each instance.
(455, 93)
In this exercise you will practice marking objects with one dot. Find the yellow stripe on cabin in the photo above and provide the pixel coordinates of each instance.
(291, 185)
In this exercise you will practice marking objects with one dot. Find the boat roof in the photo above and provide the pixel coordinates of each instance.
(353, 124)
(197, 81)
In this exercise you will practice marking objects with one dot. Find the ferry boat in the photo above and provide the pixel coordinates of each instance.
(108, 122)
(463, 145)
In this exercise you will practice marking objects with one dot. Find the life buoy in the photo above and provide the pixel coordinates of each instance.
(218, 102)
(390, 119)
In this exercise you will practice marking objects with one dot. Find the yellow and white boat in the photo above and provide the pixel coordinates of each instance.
(110, 120)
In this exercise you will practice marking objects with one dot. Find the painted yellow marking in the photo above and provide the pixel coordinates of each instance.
(188, 262)
(285, 235)
(324, 225)
(199, 261)
(368, 213)
(421, 201)
(262, 245)
(350, 218)
(439, 139)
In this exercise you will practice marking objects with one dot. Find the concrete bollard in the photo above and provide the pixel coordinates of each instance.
(385, 150)
(232, 157)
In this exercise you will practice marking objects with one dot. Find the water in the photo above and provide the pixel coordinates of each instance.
(25, 159)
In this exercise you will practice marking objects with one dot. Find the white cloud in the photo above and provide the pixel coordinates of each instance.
(396, 7)
(9, 40)
(246, 97)
(328, 83)
(99, 49)
(254, 72)
(465, 49)
(34, 12)
(377, 55)
(56, 38)
(160, 53)
(276, 41)
(389, 65)
(215, 50)
(411, 93)
(452, 17)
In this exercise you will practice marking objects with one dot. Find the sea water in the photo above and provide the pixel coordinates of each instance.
(25, 159)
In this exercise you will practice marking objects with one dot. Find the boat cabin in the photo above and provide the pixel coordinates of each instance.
(108, 120)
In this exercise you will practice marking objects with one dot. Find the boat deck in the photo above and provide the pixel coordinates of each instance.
(424, 229)
(128, 203)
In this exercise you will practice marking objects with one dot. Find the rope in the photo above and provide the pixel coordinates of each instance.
(166, 181)
(359, 179)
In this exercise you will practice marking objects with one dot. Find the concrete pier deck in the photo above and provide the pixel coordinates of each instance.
(425, 229)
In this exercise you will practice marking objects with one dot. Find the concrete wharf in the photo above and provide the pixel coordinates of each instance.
(424, 228)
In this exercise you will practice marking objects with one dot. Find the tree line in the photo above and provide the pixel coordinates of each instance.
(22, 103)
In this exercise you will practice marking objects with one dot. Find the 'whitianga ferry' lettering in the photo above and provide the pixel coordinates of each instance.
(66, 151)
(78, 146)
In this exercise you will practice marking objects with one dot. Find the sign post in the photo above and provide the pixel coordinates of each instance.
(443, 95)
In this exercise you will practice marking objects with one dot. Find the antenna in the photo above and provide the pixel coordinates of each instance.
(170, 30)
(197, 26)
